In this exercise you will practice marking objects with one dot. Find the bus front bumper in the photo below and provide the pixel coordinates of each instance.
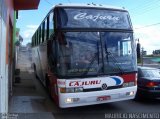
(96, 97)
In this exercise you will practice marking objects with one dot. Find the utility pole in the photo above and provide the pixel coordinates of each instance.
(142, 55)
(138, 50)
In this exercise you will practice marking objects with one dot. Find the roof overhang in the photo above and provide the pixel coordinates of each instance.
(25, 4)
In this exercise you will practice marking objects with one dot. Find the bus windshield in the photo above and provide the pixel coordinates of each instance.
(92, 18)
(95, 53)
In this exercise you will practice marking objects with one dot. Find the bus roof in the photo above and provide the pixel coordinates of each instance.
(92, 5)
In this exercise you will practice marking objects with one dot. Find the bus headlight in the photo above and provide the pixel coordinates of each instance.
(71, 90)
(129, 84)
(68, 100)
(79, 89)
(130, 93)
(71, 100)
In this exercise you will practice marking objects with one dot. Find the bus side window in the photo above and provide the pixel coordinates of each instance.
(43, 32)
(37, 36)
(40, 34)
(47, 28)
(51, 24)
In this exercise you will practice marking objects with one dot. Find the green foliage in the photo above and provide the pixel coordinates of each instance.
(139, 60)
(149, 56)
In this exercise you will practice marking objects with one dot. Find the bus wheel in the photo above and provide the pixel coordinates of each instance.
(48, 85)
(139, 96)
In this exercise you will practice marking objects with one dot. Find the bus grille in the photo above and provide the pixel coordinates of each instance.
(100, 89)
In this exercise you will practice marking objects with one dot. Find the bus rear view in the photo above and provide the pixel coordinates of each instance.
(94, 56)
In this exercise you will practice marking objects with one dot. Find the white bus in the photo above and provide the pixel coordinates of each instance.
(85, 55)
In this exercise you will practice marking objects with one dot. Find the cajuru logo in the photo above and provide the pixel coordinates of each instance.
(79, 83)
(103, 82)
(82, 16)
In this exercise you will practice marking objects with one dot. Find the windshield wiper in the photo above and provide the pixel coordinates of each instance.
(114, 60)
(96, 56)
(90, 64)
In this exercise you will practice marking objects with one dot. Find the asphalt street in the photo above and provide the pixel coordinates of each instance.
(124, 109)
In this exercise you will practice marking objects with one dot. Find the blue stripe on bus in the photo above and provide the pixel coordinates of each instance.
(118, 81)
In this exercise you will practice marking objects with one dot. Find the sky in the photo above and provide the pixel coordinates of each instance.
(144, 16)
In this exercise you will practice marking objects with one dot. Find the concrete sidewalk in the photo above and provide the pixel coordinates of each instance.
(28, 100)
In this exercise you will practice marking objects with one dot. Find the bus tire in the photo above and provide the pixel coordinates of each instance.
(139, 96)
(48, 86)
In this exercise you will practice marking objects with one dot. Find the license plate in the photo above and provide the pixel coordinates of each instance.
(103, 98)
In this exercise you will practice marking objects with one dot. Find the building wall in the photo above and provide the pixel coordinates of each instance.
(7, 34)
(6, 28)
(10, 9)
